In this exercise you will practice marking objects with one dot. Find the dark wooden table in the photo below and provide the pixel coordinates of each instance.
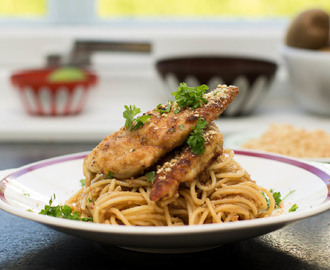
(28, 245)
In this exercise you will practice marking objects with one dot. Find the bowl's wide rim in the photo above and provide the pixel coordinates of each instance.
(21, 78)
(216, 65)
(307, 53)
(252, 59)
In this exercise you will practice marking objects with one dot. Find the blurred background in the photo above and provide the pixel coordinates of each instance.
(121, 41)
(44, 10)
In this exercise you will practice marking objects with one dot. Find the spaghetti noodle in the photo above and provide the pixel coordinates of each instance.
(224, 192)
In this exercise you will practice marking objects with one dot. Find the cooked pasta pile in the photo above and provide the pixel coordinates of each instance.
(225, 192)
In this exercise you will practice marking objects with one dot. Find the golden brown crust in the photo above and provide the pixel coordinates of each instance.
(185, 166)
(128, 153)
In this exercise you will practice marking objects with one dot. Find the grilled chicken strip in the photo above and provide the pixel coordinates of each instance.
(186, 165)
(128, 153)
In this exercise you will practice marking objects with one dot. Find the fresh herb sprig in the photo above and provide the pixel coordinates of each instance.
(62, 211)
(196, 140)
(134, 123)
(151, 176)
(276, 196)
(165, 108)
(83, 182)
(278, 199)
(109, 175)
(192, 97)
(293, 208)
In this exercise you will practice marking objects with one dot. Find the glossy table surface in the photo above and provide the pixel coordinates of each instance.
(28, 245)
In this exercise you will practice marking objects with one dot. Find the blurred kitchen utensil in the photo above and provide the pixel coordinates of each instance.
(82, 50)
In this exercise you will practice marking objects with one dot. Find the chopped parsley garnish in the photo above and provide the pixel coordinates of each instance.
(277, 197)
(151, 176)
(62, 211)
(164, 108)
(278, 200)
(288, 194)
(131, 122)
(83, 182)
(293, 208)
(110, 175)
(192, 97)
(196, 140)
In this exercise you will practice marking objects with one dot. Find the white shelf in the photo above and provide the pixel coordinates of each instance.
(103, 114)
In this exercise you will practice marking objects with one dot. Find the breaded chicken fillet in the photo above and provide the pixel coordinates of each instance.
(128, 153)
(186, 166)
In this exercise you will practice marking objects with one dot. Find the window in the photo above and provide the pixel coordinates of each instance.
(103, 11)
(206, 8)
(22, 8)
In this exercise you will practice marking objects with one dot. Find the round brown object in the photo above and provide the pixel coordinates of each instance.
(309, 30)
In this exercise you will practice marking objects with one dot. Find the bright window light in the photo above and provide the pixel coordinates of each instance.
(101, 11)
(206, 8)
(23, 8)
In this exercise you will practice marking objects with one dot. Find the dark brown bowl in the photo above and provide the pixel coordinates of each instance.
(252, 76)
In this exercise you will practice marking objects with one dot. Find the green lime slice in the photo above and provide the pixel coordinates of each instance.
(67, 74)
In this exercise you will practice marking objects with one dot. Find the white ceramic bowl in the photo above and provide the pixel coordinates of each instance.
(61, 176)
(309, 75)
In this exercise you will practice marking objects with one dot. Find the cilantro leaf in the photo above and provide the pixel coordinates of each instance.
(131, 122)
(196, 140)
(151, 176)
(190, 96)
(177, 110)
(129, 115)
(83, 182)
(277, 197)
(293, 208)
(62, 211)
(292, 191)
(164, 108)
(110, 175)
(141, 121)
(52, 199)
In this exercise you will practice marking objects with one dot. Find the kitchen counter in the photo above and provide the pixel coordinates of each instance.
(103, 114)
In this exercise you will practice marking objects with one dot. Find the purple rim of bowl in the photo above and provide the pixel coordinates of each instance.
(325, 177)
